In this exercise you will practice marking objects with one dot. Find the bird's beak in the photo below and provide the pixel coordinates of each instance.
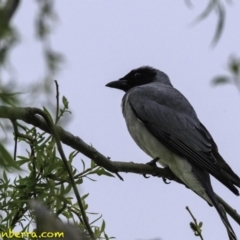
(119, 84)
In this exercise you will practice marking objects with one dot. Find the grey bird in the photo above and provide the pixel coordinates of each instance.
(164, 125)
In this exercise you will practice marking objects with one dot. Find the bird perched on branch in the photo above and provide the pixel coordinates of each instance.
(164, 125)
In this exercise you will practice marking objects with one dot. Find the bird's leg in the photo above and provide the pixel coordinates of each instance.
(153, 163)
(167, 172)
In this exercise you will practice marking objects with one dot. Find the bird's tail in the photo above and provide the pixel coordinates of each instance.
(222, 213)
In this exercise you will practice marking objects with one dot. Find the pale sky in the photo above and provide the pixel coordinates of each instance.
(102, 41)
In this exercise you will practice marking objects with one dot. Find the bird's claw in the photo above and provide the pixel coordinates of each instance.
(153, 163)
(145, 175)
(165, 180)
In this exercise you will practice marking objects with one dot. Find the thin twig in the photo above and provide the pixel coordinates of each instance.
(119, 176)
(57, 101)
(196, 223)
(14, 123)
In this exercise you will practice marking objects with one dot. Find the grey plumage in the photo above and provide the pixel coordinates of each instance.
(164, 124)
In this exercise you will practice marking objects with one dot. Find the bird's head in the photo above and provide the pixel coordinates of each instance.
(138, 77)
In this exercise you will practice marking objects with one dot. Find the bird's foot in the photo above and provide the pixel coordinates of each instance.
(171, 175)
(165, 180)
(153, 163)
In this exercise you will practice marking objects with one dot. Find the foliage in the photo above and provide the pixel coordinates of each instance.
(217, 6)
(45, 22)
(43, 176)
(41, 172)
(234, 77)
(195, 226)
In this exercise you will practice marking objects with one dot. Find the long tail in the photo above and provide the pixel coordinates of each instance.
(222, 213)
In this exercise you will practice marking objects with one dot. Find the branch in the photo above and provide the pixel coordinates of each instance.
(28, 115)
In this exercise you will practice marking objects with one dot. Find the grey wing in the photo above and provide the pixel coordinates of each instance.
(182, 133)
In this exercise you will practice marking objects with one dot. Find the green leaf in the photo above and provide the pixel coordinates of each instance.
(72, 155)
(65, 102)
(64, 199)
(67, 189)
(85, 196)
(95, 219)
(93, 164)
(5, 176)
(220, 10)
(193, 226)
(9, 98)
(103, 226)
(234, 66)
(221, 80)
(102, 171)
(6, 160)
(22, 160)
(79, 181)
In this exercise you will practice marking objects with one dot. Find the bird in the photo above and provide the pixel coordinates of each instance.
(165, 126)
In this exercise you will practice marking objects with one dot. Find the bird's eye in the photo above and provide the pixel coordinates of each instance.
(137, 75)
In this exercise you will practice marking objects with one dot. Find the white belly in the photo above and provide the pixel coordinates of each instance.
(151, 146)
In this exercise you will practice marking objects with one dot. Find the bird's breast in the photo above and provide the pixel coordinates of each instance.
(143, 138)
(151, 146)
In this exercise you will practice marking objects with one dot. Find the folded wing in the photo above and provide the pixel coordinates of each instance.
(179, 129)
